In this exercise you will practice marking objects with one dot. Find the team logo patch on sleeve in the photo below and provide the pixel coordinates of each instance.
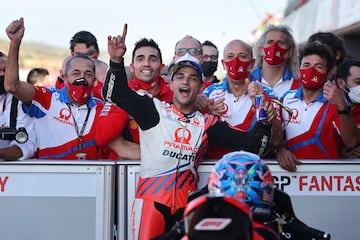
(106, 109)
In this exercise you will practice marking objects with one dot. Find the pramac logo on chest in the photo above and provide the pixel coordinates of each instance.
(182, 135)
(64, 116)
(295, 116)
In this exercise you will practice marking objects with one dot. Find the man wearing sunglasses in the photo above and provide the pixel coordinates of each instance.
(188, 45)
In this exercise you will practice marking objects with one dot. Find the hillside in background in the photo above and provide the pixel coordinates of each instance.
(33, 54)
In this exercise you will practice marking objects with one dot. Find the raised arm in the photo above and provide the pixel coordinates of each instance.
(22, 90)
(348, 131)
(117, 46)
(116, 87)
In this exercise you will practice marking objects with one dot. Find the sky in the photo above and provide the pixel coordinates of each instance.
(54, 22)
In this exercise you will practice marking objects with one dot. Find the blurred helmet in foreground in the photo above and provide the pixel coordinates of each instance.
(243, 176)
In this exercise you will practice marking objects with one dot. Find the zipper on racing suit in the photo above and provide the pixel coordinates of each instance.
(183, 121)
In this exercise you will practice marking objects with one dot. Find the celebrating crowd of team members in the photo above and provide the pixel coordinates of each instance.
(314, 93)
(172, 121)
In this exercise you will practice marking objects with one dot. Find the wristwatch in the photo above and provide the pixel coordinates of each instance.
(346, 111)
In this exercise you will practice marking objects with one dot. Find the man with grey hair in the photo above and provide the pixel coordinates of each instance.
(188, 45)
(78, 126)
(276, 60)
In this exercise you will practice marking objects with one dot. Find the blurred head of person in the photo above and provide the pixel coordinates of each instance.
(100, 75)
(348, 79)
(3, 59)
(166, 73)
(60, 79)
(333, 42)
(100, 70)
(84, 43)
(38, 77)
(210, 58)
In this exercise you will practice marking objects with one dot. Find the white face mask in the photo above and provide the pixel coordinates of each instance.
(354, 94)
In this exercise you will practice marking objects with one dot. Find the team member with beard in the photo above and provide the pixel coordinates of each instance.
(70, 123)
(173, 139)
(348, 79)
(320, 120)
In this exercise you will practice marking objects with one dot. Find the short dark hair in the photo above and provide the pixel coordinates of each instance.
(210, 44)
(331, 40)
(343, 70)
(84, 37)
(37, 75)
(168, 69)
(2, 54)
(144, 42)
(318, 49)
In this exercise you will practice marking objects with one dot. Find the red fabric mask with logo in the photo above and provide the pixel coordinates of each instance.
(237, 69)
(311, 78)
(79, 90)
(274, 54)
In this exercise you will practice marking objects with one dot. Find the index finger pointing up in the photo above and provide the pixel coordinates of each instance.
(123, 36)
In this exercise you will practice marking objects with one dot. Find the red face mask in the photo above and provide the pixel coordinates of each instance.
(237, 69)
(274, 54)
(311, 78)
(139, 84)
(80, 92)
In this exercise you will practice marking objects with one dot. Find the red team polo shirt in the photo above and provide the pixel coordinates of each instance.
(56, 122)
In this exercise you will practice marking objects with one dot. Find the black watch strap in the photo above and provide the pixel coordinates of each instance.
(346, 111)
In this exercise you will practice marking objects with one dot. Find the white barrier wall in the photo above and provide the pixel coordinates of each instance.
(325, 194)
(56, 200)
(76, 200)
